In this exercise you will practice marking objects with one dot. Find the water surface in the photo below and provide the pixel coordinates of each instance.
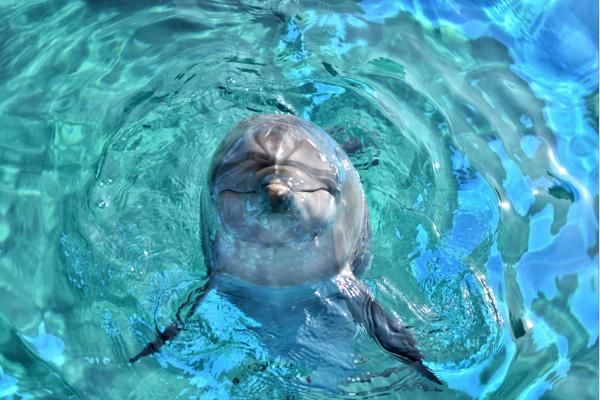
(474, 130)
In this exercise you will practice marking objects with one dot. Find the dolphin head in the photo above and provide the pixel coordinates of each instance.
(275, 180)
(282, 205)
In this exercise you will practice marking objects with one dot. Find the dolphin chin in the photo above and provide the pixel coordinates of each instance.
(283, 207)
(303, 217)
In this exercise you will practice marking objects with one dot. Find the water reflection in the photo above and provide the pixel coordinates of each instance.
(472, 127)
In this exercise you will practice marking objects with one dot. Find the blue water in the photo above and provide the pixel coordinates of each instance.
(473, 125)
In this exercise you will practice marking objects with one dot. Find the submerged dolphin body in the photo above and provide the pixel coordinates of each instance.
(283, 206)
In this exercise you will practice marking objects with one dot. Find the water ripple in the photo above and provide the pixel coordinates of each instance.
(473, 129)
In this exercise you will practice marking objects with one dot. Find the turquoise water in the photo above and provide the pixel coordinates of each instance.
(473, 125)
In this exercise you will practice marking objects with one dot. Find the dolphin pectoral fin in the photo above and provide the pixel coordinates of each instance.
(393, 335)
(161, 338)
(390, 332)
(193, 300)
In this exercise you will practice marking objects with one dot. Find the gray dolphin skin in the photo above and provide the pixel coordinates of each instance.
(284, 207)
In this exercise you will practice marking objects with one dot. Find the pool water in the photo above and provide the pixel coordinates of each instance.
(473, 125)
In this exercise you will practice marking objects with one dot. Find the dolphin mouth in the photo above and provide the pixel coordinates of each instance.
(298, 178)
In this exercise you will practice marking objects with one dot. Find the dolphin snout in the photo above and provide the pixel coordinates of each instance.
(278, 195)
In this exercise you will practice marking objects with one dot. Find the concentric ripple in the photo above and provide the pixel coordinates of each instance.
(476, 148)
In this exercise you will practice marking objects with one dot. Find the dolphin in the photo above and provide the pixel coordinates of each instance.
(284, 207)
